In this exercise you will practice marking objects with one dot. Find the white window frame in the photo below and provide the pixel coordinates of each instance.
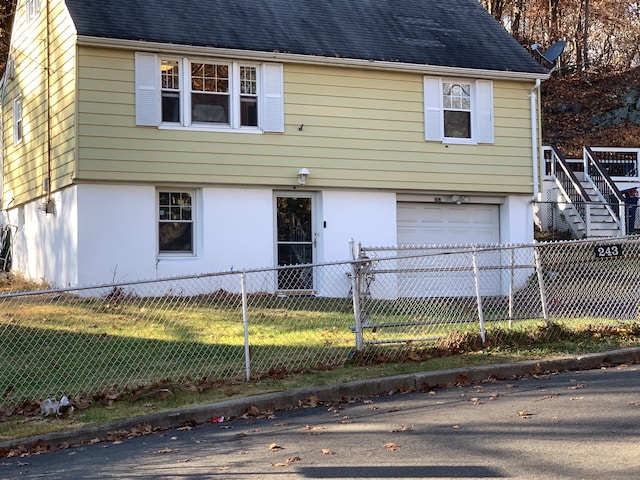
(18, 120)
(482, 115)
(195, 224)
(32, 8)
(269, 80)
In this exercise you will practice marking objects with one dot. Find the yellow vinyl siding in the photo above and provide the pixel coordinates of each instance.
(351, 128)
(25, 166)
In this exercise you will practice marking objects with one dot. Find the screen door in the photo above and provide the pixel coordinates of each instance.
(295, 241)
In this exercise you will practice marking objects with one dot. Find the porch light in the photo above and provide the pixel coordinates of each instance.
(303, 175)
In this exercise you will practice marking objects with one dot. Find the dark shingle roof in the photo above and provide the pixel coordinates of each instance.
(451, 33)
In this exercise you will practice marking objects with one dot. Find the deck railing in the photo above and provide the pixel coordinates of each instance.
(569, 185)
(605, 187)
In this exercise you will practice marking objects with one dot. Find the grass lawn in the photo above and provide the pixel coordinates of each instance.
(132, 356)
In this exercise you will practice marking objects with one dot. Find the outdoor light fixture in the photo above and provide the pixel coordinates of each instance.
(459, 199)
(303, 175)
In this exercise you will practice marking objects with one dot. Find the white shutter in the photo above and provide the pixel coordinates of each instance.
(147, 89)
(273, 98)
(433, 120)
(484, 103)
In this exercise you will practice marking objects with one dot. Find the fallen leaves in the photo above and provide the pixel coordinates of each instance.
(253, 411)
(312, 401)
(392, 446)
(577, 386)
(287, 462)
(168, 450)
(274, 447)
(403, 428)
(571, 102)
(311, 427)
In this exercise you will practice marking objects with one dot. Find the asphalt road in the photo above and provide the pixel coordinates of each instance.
(575, 425)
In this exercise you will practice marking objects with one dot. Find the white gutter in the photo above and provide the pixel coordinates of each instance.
(169, 48)
(534, 139)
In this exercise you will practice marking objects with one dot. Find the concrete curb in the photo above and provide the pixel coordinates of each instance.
(332, 393)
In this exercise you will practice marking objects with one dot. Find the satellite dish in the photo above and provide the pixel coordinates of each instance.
(551, 54)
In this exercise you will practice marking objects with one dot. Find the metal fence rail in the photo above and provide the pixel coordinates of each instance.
(200, 330)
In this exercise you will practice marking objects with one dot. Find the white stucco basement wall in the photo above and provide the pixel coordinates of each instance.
(118, 232)
(105, 233)
(366, 217)
(45, 246)
(516, 220)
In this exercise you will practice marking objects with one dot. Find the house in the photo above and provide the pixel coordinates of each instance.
(152, 139)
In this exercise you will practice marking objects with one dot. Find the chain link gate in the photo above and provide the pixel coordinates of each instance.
(415, 294)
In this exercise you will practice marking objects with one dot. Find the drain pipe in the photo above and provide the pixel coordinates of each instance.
(534, 139)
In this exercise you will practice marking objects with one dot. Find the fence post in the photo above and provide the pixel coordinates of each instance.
(478, 296)
(511, 283)
(245, 323)
(543, 293)
(355, 289)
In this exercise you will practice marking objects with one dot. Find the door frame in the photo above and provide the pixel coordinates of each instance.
(314, 232)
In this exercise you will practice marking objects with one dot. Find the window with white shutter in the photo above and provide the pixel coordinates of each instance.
(458, 110)
(180, 92)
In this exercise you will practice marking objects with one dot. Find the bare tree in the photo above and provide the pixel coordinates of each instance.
(7, 9)
(598, 33)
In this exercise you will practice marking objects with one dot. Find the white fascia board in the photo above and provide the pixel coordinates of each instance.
(237, 54)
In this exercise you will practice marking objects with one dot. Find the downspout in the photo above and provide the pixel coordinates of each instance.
(534, 139)
(49, 206)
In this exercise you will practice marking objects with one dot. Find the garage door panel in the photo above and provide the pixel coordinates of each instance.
(437, 223)
(444, 224)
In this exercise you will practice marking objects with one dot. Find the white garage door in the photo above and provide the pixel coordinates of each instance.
(445, 223)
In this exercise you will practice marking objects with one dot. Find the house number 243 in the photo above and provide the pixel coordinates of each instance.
(605, 251)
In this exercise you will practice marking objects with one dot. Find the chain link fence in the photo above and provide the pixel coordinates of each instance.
(498, 293)
(387, 303)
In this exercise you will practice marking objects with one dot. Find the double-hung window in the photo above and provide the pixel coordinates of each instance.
(18, 130)
(32, 9)
(175, 222)
(193, 93)
(458, 110)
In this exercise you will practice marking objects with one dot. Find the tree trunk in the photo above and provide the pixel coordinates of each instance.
(496, 8)
(554, 26)
(516, 18)
(585, 36)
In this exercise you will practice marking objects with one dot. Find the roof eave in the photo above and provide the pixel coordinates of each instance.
(253, 55)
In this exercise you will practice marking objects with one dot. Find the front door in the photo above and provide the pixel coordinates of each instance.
(295, 241)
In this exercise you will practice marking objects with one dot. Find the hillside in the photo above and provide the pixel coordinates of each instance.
(591, 108)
